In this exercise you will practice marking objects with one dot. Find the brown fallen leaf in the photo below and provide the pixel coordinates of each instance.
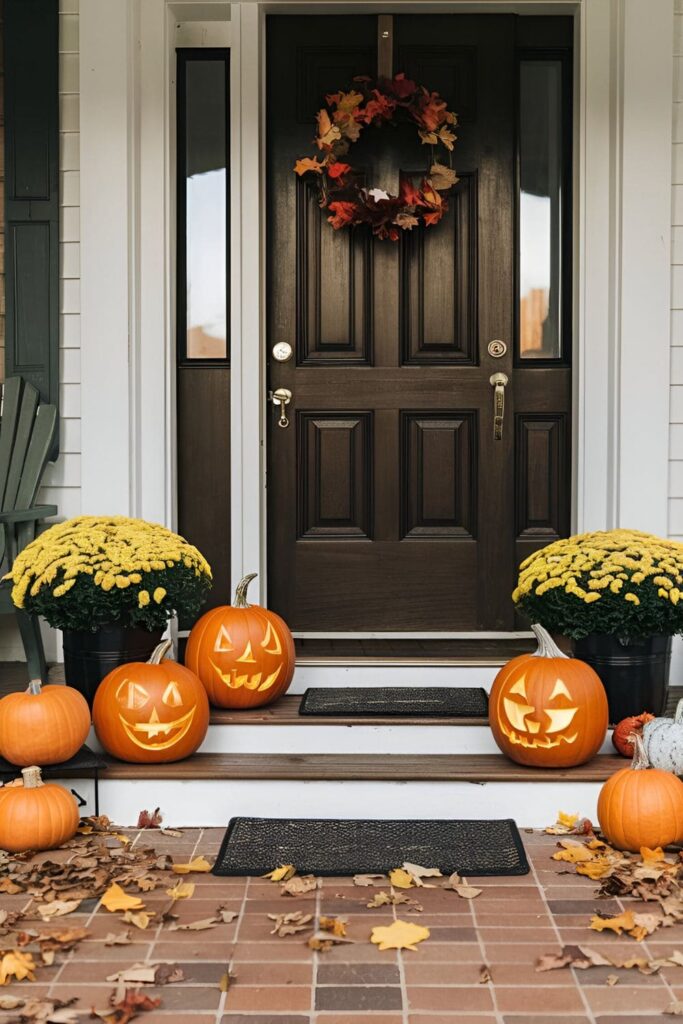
(10, 1002)
(675, 1009)
(127, 1007)
(140, 920)
(227, 916)
(467, 892)
(334, 925)
(181, 891)
(417, 873)
(399, 935)
(393, 899)
(226, 981)
(49, 1011)
(119, 938)
(57, 908)
(147, 820)
(322, 941)
(365, 880)
(195, 926)
(176, 833)
(612, 979)
(299, 884)
(9, 887)
(572, 956)
(290, 924)
(484, 975)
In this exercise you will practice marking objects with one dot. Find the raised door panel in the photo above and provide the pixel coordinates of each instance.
(438, 478)
(335, 475)
(541, 477)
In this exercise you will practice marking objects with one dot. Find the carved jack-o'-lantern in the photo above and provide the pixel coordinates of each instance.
(151, 712)
(243, 654)
(546, 709)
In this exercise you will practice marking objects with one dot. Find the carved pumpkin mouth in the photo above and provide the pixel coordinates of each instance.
(155, 728)
(537, 742)
(250, 682)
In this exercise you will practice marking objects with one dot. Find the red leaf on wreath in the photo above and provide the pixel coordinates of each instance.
(409, 195)
(432, 112)
(381, 106)
(338, 169)
(342, 214)
(402, 86)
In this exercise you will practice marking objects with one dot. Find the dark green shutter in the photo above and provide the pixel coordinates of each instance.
(32, 193)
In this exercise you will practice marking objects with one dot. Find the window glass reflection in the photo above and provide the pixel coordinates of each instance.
(540, 209)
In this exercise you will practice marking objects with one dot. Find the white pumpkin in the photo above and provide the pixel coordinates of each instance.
(663, 742)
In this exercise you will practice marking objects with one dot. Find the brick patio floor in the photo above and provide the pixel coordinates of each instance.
(281, 981)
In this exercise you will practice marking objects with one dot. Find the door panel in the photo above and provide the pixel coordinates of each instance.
(390, 504)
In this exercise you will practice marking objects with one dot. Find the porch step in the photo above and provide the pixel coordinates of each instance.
(473, 768)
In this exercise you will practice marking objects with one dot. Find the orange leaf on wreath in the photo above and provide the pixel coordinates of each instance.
(328, 133)
(433, 112)
(308, 163)
(342, 214)
(344, 101)
(381, 106)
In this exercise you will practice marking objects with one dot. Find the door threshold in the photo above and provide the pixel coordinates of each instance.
(401, 650)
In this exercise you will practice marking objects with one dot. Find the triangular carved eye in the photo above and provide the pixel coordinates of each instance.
(247, 655)
(132, 695)
(560, 690)
(223, 641)
(519, 688)
(172, 696)
(271, 637)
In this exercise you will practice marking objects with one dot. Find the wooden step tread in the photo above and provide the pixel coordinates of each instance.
(363, 767)
(285, 711)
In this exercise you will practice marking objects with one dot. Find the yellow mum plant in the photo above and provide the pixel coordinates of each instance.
(616, 582)
(93, 571)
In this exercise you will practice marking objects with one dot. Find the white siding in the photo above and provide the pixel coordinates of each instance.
(676, 397)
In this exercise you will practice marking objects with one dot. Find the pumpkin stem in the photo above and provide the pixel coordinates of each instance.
(160, 652)
(34, 687)
(32, 778)
(241, 591)
(640, 759)
(547, 648)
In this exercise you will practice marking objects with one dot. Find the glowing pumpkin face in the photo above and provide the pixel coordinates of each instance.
(243, 654)
(548, 710)
(151, 712)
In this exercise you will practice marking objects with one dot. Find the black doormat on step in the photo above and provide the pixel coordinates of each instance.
(395, 702)
(254, 846)
(84, 762)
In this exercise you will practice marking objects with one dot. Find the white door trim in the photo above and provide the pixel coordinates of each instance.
(623, 188)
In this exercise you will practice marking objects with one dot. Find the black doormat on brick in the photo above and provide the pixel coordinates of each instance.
(254, 846)
(395, 702)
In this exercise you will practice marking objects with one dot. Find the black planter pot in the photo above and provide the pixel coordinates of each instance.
(89, 656)
(635, 674)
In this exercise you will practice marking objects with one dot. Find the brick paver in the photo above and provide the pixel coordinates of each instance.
(281, 981)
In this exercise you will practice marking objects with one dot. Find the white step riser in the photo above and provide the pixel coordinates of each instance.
(392, 675)
(207, 802)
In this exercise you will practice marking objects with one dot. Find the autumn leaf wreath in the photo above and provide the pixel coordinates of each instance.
(371, 104)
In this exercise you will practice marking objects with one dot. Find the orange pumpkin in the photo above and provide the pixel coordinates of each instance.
(43, 725)
(547, 710)
(151, 712)
(640, 805)
(36, 815)
(244, 654)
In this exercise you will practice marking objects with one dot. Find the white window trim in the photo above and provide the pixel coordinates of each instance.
(622, 218)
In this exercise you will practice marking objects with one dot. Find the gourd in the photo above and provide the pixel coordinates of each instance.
(43, 725)
(151, 712)
(623, 730)
(243, 654)
(36, 815)
(548, 710)
(640, 805)
(663, 742)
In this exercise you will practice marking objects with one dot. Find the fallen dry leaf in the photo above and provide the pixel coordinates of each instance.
(299, 884)
(127, 1007)
(399, 935)
(417, 872)
(393, 899)
(572, 956)
(400, 879)
(468, 892)
(119, 938)
(335, 925)
(196, 864)
(181, 891)
(618, 924)
(140, 920)
(226, 981)
(675, 1009)
(484, 975)
(147, 820)
(282, 873)
(18, 965)
(369, 879)
(322, 941)
(612, 979)
(57, 908)
(10, 1002)
(49, 1011)
(290, 924)
(115, 898)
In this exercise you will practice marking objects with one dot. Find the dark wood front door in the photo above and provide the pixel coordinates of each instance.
(391, 506)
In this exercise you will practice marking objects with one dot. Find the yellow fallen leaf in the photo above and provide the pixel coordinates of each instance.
(181, 891)
(655, 856)
(574, 854)
(224, 983)
(115, 898)
(334, 925)
(16, 965)
(198, 864)
(141, 919)
(623, 923)
(401, 879)
(282, 873)
(598, 868)
(565, 823)
(399, 935)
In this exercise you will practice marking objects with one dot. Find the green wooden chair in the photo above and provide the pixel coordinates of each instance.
(27, 433)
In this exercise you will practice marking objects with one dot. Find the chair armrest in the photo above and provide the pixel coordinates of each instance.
(27, 515)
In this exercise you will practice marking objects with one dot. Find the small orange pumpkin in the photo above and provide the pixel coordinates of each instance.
(243, 653)
(43, 725)
(641, 806)
(547, 710)
(36, 815)
(151, 712)
(621, 735)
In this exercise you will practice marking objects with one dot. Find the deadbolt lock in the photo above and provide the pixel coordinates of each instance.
(497, 348)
